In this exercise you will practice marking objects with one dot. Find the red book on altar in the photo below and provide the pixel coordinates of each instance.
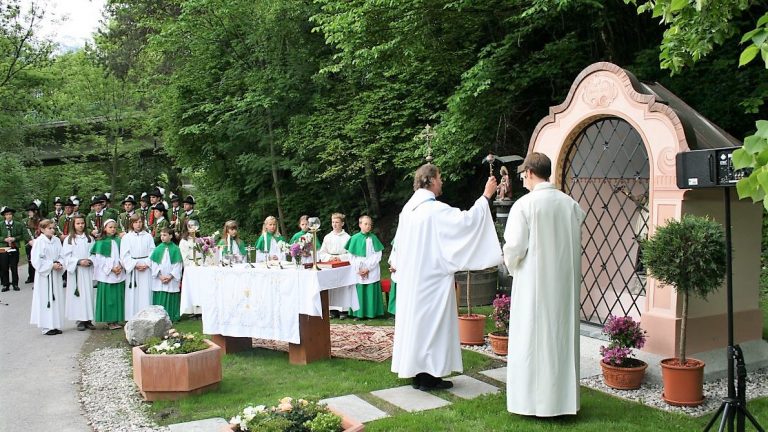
(328, 264)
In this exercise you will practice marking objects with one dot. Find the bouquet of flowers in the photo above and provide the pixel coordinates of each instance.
(624, 334)
(206, 246)
(303, 247)
(288, 415)
(500, 314)
(176, 343)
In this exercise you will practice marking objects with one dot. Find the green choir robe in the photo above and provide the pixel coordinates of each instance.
(225, 246)
(368, 293)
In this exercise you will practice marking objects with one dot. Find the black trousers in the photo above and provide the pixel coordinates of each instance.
(30, 268)
(9, 261)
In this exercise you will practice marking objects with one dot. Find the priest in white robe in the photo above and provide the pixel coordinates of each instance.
(135, 249)
(543, 254)
(433, 242)
(48, 296)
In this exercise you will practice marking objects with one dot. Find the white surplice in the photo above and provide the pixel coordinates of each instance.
(369, 262)
(135, 248)
(274, 250)
(333, 247)
(103, 265)
(187, 246)
(166, 268)
(79, 307)
(433, 242)
(48, 296)
(543, 254)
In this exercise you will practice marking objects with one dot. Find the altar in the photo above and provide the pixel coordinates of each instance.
(288, 304)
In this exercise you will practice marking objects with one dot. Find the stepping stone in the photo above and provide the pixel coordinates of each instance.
(499, 374)
(467, 387)
(207, 425)
(410, 399)
(355, 408)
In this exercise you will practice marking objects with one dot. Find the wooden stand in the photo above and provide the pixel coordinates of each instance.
(231, 344)
(315, 337)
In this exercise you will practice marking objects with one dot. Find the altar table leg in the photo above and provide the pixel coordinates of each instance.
(315, 337)
(231, 344)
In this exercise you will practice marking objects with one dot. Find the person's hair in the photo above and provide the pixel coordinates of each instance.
(227, 225)
(167, 230)
(73, 234)
(363, 217)
(271, 219)
(134, 218)
(539, 164)
(425, 176)
(45, 223)
(339, 216)
(303, 218)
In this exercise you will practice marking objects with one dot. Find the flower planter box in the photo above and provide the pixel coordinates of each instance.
(170, 377)
(349, 424)
(499, 344)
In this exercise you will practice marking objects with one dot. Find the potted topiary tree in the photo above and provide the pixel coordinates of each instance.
(689, 255)
(471, 326)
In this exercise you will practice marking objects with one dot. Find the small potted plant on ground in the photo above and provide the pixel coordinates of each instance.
(689, 255)
(500, 337)
(293, 415)
(620, 369)
(178, 365)
(471, 326)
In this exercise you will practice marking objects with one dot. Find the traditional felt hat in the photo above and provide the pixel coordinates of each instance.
(189, 200)
(6, 209)
(173, 197)
(160, 206)
(144, 197)
(34, 205)
(107, 196)
(69, 202)
(157, 192)
(75, 200)
(57, 200)
(98, 199)
(130, 199)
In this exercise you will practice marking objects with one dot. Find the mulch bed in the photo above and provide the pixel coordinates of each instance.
(355, 341)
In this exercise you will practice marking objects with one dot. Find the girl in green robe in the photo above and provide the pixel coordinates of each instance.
(365, 255)
(267, 246)
(109, 273)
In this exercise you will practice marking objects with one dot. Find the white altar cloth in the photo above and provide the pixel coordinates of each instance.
(241, 301)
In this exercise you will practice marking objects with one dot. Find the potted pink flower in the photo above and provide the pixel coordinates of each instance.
(500, 337)
(621, 370)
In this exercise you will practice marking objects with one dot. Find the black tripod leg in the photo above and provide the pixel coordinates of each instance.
(753, 420)
(726, 417)
(714, 417)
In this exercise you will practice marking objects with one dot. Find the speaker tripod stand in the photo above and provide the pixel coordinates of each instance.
(734, 406)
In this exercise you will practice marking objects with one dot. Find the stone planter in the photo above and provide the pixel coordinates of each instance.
(623, 378)
(499, 344)
(349, 424)
(170, 377)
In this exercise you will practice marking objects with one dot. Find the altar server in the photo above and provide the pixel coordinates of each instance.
(433, 242)
(543, 254)
(75, 256)
(267, 246)
(333, 250)
(33, 231)
(109, 273)
(365, 255)
(48, 296)
(166, 274)
(230, 242)
(136, 246)
(303, 229)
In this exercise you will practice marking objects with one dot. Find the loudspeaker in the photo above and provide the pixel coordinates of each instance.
(708, 168)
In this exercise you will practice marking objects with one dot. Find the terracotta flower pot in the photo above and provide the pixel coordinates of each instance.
(623, 378)
(472, 329)
(499, 344)
(683, 384)
(170, 377)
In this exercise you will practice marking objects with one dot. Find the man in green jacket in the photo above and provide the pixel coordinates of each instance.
(13, 236)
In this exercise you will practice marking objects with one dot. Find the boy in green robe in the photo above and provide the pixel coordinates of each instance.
(166, 275)
(364, 255)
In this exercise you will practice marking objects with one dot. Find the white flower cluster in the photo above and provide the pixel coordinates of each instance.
(164, 346)
(246, 416)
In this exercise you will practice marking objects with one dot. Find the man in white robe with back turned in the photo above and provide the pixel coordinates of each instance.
(434, 241)
(543, 254)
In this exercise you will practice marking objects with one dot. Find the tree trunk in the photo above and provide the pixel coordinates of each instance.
(370, 180)
(275, 179)
(683, 328)
(114, 163)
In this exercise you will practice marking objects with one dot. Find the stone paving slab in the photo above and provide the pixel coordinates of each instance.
(355, 408)
(467, 387)
(207, 425)
(499, 374)
(410, 399)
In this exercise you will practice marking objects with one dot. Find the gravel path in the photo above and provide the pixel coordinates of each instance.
(109, 396)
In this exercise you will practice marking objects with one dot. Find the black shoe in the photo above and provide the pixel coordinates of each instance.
(16, 288)
(29, 280)
(5, 289)
(51, 332)
(431, 383)
(89, 325)
(416, 381)
(335, 314)
(81, 326)
(58, 331)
